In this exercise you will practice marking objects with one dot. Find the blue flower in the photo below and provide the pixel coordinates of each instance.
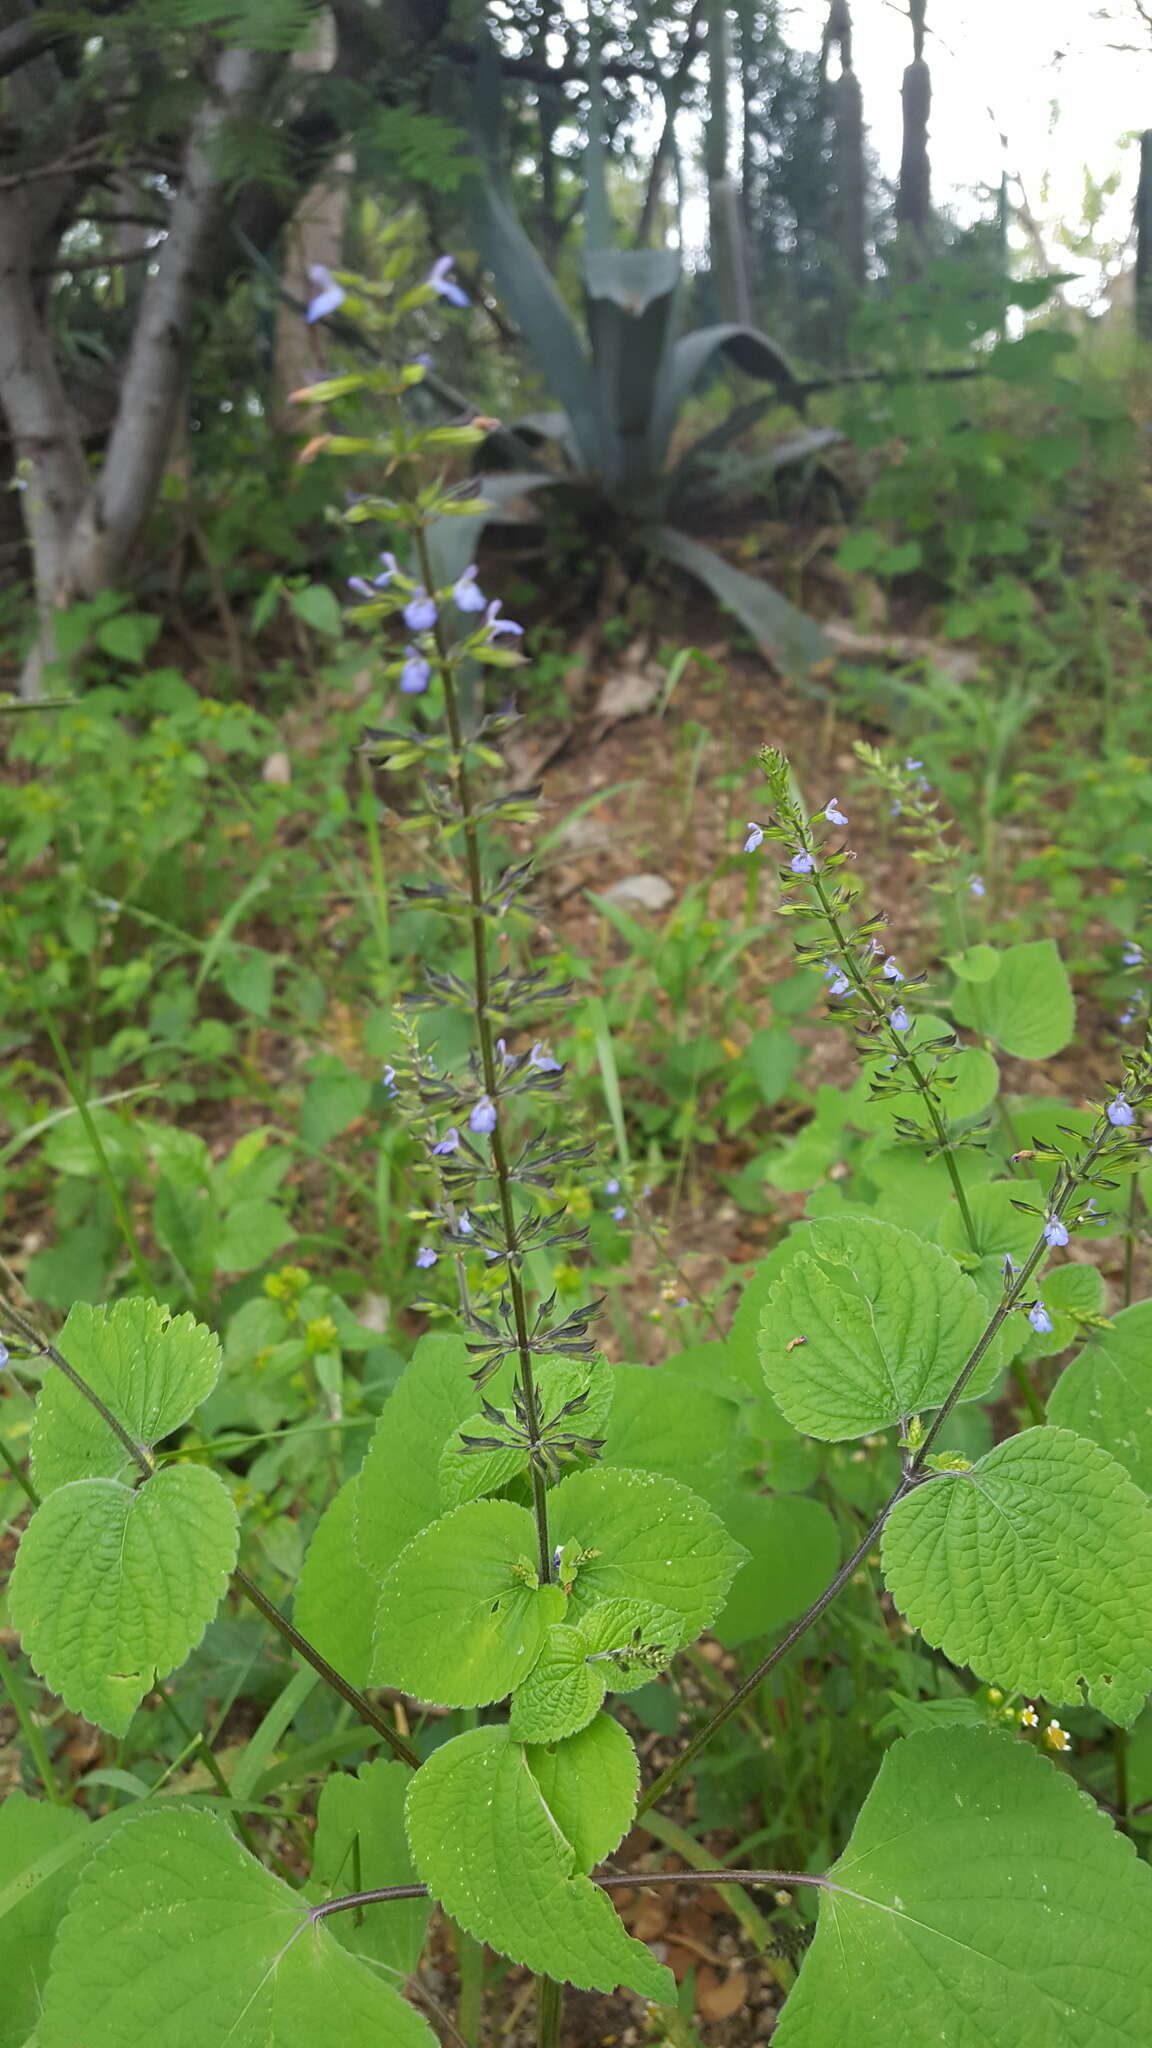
(619, 1213)
(890, 971)
(801, 863)
(976, 886)
(755, 837)
(449, 1143)
(466, 593)
(464, 1223)
(612, 1187)
(895, 807)
(912, 765)
(3, 1356)
(1132, 955)
(388, 1081)
(361, 588)
(541, 1061)
(1120, 1112)
(1128, 1014)
(415, 673)
(900, 1020)
(1039, 1318)
(440, 282)
(483, 1117)
(420, 611)
(329, 296)
(1055, 1232)
(426, 1256)
(424, 361)
(833, 813)
(391, 569)
(494, 624)
(840, 984)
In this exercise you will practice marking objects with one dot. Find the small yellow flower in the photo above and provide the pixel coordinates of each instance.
(1056, 1737)
(1029, 1718)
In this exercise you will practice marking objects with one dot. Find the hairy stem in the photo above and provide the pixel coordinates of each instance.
(483, 1013)
(549, 2012)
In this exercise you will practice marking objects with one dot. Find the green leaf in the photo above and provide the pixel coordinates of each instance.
(128, 637)
(333, 1099)
(112, 1588)
(466, 1475)
(773, 1056)
(793, 1550)
(319, 608)
(561, 1692)
(1001, 1230)
(1106, 1393)
(1035, 1568)
(399, 1491)
(1026, 1006)
(29, 1830)
(177, 1937)
(751, 352)
(336, 1597)
(792, 641)
(653, 1541)
(1068, 1291)
(251, 1234)
(887, 1320)
(250, 977)
(976, 963)
(490, 1851)
(634, 1638)
(983, 1902)
(461, 1618)
(541, 316)
(152, 1370)
(673, 1427)
(361, 1845)
(589, 1785)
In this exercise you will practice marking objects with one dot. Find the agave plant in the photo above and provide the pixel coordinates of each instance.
(609, 447)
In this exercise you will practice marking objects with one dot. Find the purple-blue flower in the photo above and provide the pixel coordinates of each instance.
(890, 971)
(449, 1143)
(833, 813)
(1120, 1112)
(1128, 1014)
(494, 624)
(420, 611)
(976, 886)
(464, 1223)
(329, 296)
(801, 863)
(388, 1081)
(619, 1213)
(912, 765)
(440, 282)
(1132, 955)
(3, 1356)
(1055, 1232)
(755, 837)
(426, 1256)
(1039, 1318)
(361, 588)
(415, 673)
(612, 1187)
(540, 1061)
(483, 1117)
(900, 1018)
(839, 984)
(466, 593)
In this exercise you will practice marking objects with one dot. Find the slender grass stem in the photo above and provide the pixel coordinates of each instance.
(12, 1682)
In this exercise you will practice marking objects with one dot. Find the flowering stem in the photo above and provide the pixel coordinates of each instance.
(500, 1170)
(913, 1474)
(549, 2012)
(904, 1054)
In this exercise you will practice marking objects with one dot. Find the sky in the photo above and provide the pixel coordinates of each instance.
(1039, 70)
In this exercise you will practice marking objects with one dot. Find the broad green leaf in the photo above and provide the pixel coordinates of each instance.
(335, 1096)
(887, 1322)
(1000, 1229)
(966, 1082)
(336, 1598)
(1026, 1006)
(1106, 1393)
(1068, 1291)
(647, 1539)
(561, 1692)
(673, 1427)
(151, 1369)
(490, 1851)
(249, 978)
(791, 640)
(744, 1336)
(975, 963)
(178, 1938)
(589, 1784)
(28, 1830)
(112, 1588)
(250, 1234)
(361, 1845)
(793, 1550)
(467, 1475)
(983, 1902)
(633, 1637)
(1035, 1568)
(399, 1491)
(462, 1618)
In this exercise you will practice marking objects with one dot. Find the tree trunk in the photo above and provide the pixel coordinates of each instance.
(845, 103)
(914, 191)
(1144, 240)
(725, 233)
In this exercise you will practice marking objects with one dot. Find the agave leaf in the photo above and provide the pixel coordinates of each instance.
(597, 218)
(535, 431)
(793, 642)
(541, 315)
(631, 300)
(749, 350)
(692, 471)
(453, 541)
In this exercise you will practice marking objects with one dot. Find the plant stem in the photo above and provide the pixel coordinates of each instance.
(18, 1473)
(470, 2004)
(549, 2012)
(500, 1171)
(1130, 1240)
(13, 1684)
(145, 1464)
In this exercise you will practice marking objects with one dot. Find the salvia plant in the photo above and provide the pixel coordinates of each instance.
(533, 1534)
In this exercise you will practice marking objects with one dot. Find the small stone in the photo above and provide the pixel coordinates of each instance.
(641, 892)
